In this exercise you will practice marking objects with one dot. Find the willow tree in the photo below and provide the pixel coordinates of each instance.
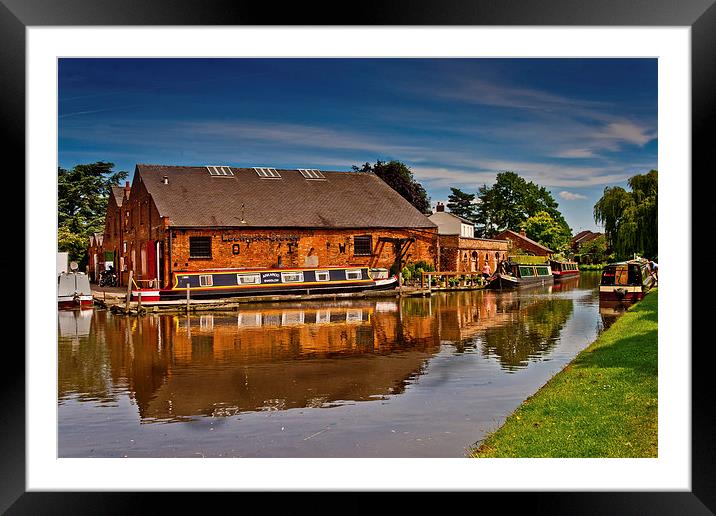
(630, 219)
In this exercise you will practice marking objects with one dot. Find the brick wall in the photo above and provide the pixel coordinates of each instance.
(296, 247)
(458, 254)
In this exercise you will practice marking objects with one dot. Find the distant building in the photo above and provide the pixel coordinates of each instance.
(112, 248)
(458, 248)
(95, 256)
(582, 238)
(213, 217)
(578, 241)
(521, 244)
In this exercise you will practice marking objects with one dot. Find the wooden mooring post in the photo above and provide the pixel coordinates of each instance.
(129, 290)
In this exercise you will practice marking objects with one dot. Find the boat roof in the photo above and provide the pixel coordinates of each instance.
(636, 261)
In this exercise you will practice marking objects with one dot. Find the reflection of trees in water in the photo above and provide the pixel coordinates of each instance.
(532, 333)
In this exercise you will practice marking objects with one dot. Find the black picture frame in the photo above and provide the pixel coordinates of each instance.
(17, 15)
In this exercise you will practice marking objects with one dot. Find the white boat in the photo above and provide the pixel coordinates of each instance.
(73, 289)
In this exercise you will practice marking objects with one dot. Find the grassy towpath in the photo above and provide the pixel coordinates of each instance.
(603, 404)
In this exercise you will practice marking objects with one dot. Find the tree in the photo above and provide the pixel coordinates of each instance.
(630, 219)
(510, 202)
(542, 228)
(400, 178)
(461, 204)
(595, 250)
(82, 194)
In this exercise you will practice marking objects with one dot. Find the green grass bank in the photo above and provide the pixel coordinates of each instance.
(603, 404)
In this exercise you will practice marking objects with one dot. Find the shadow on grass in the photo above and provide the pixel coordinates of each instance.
(638, 352)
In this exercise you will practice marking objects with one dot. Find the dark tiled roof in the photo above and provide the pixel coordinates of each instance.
(508, 233)
(194, 198)
(584, 236)
(118, 192)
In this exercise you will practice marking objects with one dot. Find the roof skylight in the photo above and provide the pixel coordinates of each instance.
(267, 173)
(219, 170)
(311, 173)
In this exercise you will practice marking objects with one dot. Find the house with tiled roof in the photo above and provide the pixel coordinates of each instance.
(212, 217)
(582, 238)
(521, 243)
(459, 250)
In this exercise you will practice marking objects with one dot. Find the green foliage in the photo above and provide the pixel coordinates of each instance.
(510, 202)
(529, 259)
(413, 270)
(630, 219)
(591, 266)
(400, 178)
(82, 194)
(542, 228)
(461, 204)
(595, 251)
(407, 274)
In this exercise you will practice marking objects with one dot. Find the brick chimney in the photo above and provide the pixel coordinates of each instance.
(127, 188)
(440, 207)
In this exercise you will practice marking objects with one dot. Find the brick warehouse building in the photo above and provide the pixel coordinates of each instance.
(196, 218)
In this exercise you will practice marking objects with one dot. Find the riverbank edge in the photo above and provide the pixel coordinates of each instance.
(604, 403)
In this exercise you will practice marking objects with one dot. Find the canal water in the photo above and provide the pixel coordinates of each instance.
(410, 377)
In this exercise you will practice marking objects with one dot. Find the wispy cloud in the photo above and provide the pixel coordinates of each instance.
(575, 153)
(571, 196)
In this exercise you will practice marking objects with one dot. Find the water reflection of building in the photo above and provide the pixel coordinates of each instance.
(280, 357)
(82, 356)
(176, 367)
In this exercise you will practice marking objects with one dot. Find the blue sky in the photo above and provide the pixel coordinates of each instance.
(573, 126)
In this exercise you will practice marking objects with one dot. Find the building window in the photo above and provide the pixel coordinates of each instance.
(323, 276)
(323, 316)
(206, 280)
(363, 245)
(248, 279)
(354, 274)
(199, 247)
(291, 277)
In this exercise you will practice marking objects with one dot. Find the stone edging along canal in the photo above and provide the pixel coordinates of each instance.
(603, 404)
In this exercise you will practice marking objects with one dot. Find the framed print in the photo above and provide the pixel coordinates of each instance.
(641, 76)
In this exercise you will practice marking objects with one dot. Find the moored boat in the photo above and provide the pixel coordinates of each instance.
(516, 275)
(564, 269)
(226, 283)
(626, 281)
(73, 290)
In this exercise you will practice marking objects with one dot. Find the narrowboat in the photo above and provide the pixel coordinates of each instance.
(515, 275)
(221, 283)
(564, 269)
(626, 281)
(73, 290)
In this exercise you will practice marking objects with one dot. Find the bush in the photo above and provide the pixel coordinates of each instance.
(591, 267)
(407, 275)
